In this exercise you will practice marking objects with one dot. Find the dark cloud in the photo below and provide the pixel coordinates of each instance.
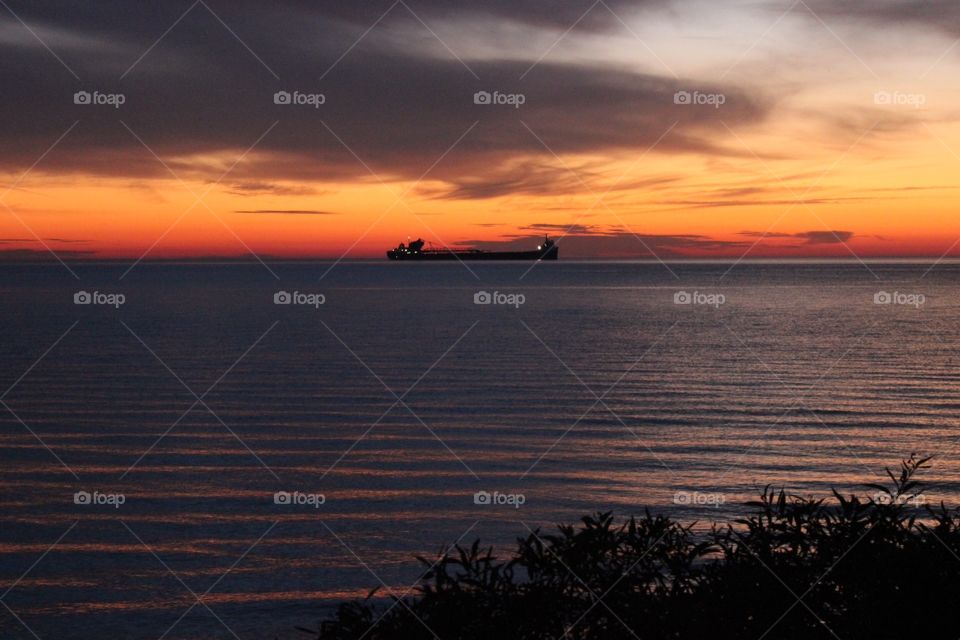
(714, 204)
(266, 188)
(576, 229)
(21, 240)
(505, 177)
(621, 244)
(40, 255)
(141, 25)
(826, 237)
(557, 14)
(810, 237)
(199, 93)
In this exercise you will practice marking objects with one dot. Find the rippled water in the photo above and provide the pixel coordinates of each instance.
(399, 398)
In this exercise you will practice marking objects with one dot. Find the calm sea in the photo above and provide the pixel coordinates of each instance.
(144, 444)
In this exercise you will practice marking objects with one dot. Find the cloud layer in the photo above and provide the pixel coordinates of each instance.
(204, 94)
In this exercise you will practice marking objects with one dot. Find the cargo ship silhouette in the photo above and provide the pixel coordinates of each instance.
(548, 250)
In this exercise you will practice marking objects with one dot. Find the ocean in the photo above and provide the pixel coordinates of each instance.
(229, 450)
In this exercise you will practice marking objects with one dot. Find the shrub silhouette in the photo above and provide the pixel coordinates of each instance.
(852, 567)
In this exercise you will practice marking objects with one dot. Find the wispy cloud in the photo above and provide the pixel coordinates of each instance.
(810, 237)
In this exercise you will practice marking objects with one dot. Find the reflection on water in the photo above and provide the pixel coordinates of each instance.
(399, 399)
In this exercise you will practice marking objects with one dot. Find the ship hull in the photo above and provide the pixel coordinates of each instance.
(549, 254)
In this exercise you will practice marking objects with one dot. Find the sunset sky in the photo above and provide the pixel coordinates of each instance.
(838, 133)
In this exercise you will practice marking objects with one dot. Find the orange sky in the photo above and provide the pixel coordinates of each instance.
(804, 159)
(892, 209)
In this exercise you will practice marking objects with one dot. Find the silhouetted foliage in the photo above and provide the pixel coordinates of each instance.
(852, 567)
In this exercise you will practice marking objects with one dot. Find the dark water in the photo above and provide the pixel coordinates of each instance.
(598, 392)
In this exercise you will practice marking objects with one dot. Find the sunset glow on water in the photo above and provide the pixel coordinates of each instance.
(799, 379)
(297, 298)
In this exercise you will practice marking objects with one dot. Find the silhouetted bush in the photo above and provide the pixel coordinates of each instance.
(850, 567)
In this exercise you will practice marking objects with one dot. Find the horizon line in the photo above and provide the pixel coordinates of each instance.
(244, 260)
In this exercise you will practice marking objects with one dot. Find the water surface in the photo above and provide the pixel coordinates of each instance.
(399, 398)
